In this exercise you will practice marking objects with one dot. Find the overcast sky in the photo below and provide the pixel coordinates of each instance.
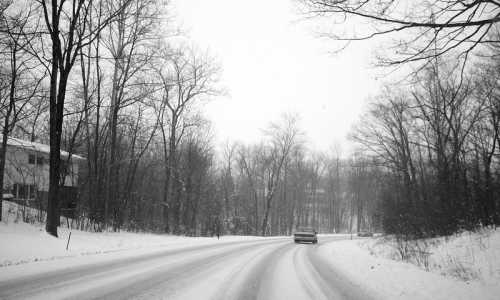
(273, 64)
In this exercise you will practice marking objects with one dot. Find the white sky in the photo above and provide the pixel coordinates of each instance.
(273, 64)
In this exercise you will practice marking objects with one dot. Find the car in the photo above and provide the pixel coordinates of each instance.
(305, 234)
(365, 234)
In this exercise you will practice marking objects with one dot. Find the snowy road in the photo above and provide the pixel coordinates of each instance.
(261, 269)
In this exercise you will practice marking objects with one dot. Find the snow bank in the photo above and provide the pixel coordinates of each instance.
(23, 243)
(468, 256)
(389, 279)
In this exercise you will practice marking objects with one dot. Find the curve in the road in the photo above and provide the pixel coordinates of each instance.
(268, 269)
(289, 272)
(72, 279)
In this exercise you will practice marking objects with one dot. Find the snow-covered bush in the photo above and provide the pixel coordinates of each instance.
(466, 255)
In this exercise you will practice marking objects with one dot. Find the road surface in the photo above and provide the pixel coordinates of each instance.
(261, 269)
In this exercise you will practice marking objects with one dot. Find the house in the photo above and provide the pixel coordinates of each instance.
(26, 177)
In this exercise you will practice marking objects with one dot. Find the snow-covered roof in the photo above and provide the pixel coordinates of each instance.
(42, 148)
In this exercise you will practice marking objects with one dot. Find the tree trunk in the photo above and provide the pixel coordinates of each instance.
(165, 204)
(3, 156)
(269, 198)
(173, 202)
(56, 119)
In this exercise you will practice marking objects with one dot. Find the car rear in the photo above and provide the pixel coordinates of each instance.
(305, 236)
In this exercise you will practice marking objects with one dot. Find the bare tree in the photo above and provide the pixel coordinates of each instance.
(183, 78)
(229, 153)
(432, 28)
(66, 25)
(333, 189)
(19, 81)
(433, 139)
(247, 162)
(129, 40)
(486, 139)
(282, 137)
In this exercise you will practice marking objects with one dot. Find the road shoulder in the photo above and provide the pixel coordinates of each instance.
(390, 279)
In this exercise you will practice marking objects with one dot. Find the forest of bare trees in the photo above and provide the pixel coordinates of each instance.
(117, 83)
(435, 133)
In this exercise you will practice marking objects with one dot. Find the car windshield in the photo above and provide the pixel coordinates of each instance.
(305, 229)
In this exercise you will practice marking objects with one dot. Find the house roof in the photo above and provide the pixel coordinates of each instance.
(42, 148)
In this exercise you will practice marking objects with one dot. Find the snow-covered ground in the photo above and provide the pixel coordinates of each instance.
(468, 256)
(124, 264)
(466, 266)
(22, 242)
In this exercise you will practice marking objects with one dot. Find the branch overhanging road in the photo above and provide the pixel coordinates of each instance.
(261, 269)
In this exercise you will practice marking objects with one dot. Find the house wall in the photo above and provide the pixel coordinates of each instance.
(19, 169)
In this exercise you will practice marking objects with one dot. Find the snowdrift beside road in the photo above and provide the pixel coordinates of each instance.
(466, 266)
(23, 243)
(467, 256)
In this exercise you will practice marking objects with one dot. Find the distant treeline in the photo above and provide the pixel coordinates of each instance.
(438, 140)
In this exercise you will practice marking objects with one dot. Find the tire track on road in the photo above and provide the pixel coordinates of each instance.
(171, 281)
(309, 279)
(255, 281)
(224, 278)
(331, 281)
(51, 281)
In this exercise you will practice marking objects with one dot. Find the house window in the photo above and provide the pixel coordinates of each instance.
(33, 159)
(24, 191)
(32, 191)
